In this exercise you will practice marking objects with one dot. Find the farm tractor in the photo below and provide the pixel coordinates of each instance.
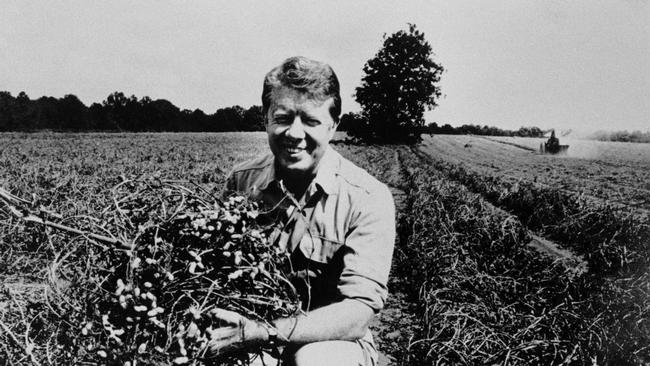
(552, 146)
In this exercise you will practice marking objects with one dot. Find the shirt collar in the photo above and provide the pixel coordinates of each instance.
(269, 175)
(325, 178)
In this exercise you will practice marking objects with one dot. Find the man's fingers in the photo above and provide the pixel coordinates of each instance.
(227, 316)
(224, 340)
(228, 337)
(224, 333)
(220, 348)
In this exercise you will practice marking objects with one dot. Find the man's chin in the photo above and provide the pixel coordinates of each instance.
(295, 167)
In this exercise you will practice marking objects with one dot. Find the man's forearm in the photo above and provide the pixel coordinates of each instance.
(345, 320)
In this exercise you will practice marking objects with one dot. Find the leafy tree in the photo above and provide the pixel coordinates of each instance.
(115, 106)
(158, 115)
(355, 124)
(6, 111)
(24, 112)
(347, 121)
(195, 120)
(73, 113)
(399, 84)
(98, 116)
(227, 119)
(253, 119)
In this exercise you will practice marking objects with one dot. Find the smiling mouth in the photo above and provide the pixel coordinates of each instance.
(293, 150)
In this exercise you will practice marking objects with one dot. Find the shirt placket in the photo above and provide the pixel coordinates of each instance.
(303, 212)
(298, 217)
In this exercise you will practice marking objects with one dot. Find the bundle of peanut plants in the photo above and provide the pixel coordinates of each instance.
(140, 283)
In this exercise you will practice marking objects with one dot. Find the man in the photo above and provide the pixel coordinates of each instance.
(339, 225)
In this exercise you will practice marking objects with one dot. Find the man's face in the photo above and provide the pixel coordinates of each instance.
(299, 131)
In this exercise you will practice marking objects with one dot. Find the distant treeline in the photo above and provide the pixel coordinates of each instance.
(621, 136)
(353, 122)
(119, 113)
(467, 129)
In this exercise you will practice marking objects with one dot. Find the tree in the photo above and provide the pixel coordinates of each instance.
(399, 84)
(355, 125)
(158, 115)
(227, 119)
(6, 111)
(73, 113)
(195, 121)
(115, 106)
(253, 119)
(25, 113)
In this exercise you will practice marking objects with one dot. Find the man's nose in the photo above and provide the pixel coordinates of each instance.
(296, 129)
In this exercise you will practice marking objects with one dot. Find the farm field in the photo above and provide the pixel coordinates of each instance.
(607, 171)
(72, 174)
(466, 287)
(617, 153)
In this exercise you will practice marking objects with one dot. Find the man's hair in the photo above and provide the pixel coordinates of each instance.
(315, 79)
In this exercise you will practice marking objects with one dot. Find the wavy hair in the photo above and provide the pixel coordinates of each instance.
(315, 79)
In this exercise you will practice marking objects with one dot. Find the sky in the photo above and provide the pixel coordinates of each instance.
(582, 65)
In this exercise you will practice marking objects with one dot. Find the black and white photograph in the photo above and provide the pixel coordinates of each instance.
(340, 183)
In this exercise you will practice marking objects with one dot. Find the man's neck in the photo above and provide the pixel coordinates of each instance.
(297, 184)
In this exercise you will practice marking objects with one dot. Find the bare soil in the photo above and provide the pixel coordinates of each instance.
(607, 172)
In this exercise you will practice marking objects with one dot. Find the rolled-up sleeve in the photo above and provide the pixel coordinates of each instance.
(370, 242)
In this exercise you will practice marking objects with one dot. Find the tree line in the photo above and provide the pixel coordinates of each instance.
(355, 123)
(120, 113)
(621, 136)
(470, 129)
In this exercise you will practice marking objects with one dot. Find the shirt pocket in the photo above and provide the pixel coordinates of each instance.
(319, 248)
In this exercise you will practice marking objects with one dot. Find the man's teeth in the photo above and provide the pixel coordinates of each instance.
(293, 150)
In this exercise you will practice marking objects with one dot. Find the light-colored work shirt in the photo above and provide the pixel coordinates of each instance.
(340, 234)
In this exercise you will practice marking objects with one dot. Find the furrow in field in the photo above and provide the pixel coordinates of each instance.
(545, 246)
(524, 147)
(611, 300)
(626, 185)
(478, 282)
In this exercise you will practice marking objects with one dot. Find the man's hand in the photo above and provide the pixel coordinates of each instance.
(237, 333)
(240, 333)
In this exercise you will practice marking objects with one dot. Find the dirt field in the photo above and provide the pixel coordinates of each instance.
(466, 286)
(608, 171)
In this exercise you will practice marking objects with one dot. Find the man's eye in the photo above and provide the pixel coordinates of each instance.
(281, 120)
(312, 122)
